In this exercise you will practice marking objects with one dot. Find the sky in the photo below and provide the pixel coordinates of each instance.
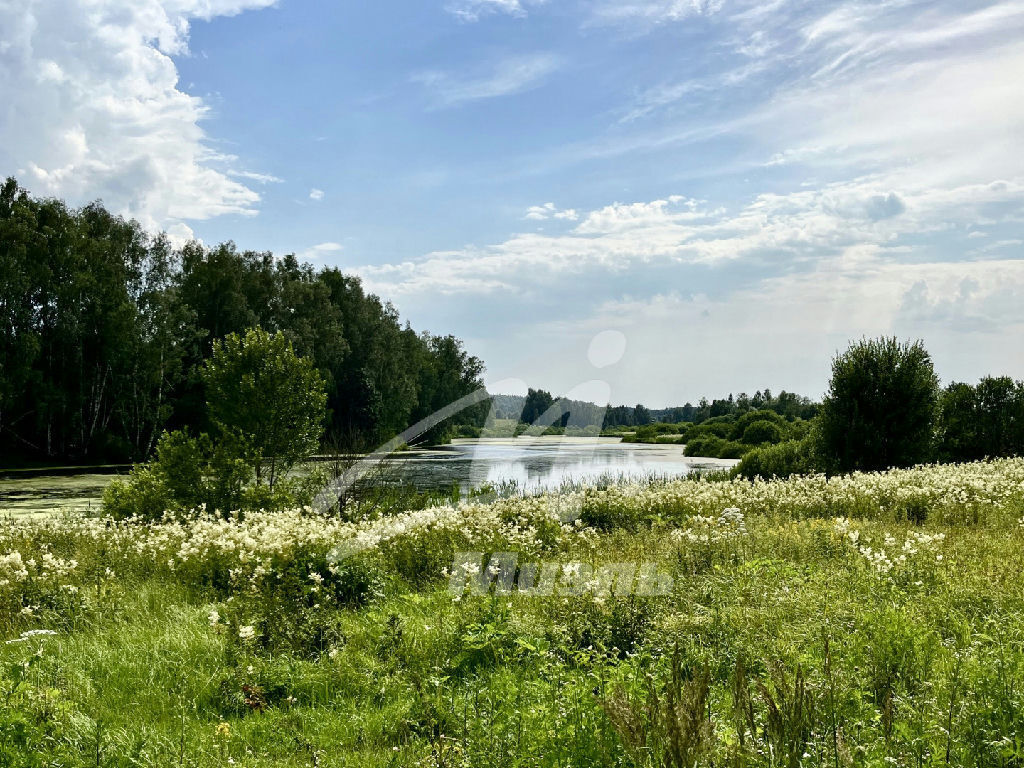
(730, 190)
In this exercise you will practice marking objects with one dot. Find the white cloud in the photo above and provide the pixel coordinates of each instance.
(316, 194)
(510, 75)
(320, 251)
(800, 227)
(260, 178)
(472, 10)
(654, 11)
(92, 108)
(550, 211)
(885, 135)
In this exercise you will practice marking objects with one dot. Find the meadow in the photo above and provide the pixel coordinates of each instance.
(870, 619)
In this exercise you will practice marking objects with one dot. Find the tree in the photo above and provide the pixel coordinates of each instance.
(537, 404)
(448, 374)
(957, 431)
(880, 408)
(641, 415)
(265, 400)
(1001, 411)
(983, 421)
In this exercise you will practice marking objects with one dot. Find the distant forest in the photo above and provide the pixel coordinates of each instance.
(527, 409)
(103, 328)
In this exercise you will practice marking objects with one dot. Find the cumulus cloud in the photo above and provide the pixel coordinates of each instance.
(92, 108)
(780, 229)
(550, 211)
(513, 74)
(316, 194)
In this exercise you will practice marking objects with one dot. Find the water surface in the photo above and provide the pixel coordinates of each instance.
(545, 463)
(532, 463)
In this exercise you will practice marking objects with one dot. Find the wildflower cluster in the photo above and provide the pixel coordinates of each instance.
(949, 493)
(730, 524)
(890, 555)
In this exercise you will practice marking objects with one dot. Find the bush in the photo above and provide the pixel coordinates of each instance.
(733, 450)
(880, 408)
(713, 447)
(721, 429)
(793, 457)
(759, 432)
(750, 417)
(704, 445)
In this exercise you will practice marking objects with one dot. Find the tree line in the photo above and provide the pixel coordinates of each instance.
(885, 408)
(527, 409)
(104, 329)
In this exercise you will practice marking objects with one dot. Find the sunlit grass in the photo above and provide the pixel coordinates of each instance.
(794, 642)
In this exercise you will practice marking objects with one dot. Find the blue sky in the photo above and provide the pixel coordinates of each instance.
(736, 187)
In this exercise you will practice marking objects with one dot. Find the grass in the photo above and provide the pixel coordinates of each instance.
(786, 638)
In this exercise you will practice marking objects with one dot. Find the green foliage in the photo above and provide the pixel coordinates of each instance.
(880, 408)
(727, 436)
(189, 474)
(741, 423)
(718, 427)
(536, 405)
(265, 402)
(982, 421)
(759, 432)
(793, 457)
(715, 447)
(104, 329)
(267, 407)
(704, 445)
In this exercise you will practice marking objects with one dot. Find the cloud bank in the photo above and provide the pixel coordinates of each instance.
(92, 108)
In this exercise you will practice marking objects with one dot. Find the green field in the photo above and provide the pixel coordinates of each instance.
(873, 619)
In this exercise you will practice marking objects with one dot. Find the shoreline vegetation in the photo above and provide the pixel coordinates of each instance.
(862, 619)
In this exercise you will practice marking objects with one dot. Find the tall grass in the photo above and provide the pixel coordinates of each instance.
(893, 635)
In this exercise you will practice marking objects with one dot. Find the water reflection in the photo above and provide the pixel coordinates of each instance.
(531, 463)
(543, 463)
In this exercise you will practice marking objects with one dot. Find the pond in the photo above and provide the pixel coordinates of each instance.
(545, 463)
(538, 463)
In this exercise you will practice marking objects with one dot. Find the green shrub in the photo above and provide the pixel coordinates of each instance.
(704, 445)
(715, 429)
(715, 448)
(759, 432)
(793, 457)
(140, 494)
(733, 450)
(750, 417)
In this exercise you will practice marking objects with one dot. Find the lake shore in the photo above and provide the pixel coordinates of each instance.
(537, 463)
